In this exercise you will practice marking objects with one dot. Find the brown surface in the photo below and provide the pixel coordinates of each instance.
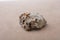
(9, 23)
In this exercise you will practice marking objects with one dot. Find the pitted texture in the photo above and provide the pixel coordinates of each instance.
(30, 21)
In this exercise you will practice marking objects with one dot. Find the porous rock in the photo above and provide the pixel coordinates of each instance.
(30, 21)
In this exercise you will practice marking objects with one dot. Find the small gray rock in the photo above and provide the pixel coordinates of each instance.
(30, 21)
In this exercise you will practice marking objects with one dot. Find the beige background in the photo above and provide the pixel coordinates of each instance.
(9, 19)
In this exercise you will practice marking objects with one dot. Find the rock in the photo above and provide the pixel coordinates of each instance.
(30, 21)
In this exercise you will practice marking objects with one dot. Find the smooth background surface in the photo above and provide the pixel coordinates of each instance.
(9, 19)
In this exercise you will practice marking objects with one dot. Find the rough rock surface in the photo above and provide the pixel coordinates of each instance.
(30, 21)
